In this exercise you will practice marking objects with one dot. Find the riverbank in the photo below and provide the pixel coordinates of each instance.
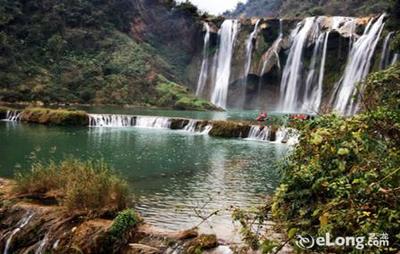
(34, 225)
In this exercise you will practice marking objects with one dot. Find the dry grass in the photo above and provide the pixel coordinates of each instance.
(78, 185)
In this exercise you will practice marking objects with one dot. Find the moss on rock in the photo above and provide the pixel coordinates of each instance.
(229, 129)
(201, 243)
(55, 117)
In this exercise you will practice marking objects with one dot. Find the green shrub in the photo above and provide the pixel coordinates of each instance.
(89, 185)
(124, 221)
(343, 177)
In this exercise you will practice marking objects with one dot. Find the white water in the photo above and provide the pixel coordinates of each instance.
(227, 37)
(42, 245)
(317, 96)
(249, 49)
(13, 116)
(191, 126)
(110, 120)
(204, 65)
(385, 52)
(357, 68)
(311, 77)
(395, 59)
(20, 225)
(259, 133)
(292, 71)
(153, 122)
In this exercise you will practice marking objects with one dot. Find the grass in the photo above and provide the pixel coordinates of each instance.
(125, 220)
(55, 116)
(78, 185)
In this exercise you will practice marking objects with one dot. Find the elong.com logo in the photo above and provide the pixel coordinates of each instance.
(359, 242)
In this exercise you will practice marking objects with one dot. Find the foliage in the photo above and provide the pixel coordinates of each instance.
(124, 221)
(173, 95)
(59, 51)
(91, 186)
(343, 177)
(294, 8)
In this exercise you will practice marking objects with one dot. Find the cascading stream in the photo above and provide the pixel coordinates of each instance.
(204, 65)
(227, 37)
(249, 49)
(13, 116)
(20, 225)
(385, 52)
(357, 68)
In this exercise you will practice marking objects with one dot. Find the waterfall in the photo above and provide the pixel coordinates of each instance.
(311, 77)
(191, 126)
(109, 120)
(13, 115)
(204, 65)
(249, 49)
(395, 59)
(258, 133)
(153, 122)
(227, 36)
(358, 67)
(385, 52)
(20, 225)
(292, 71)
(317, 97)
(42, 245)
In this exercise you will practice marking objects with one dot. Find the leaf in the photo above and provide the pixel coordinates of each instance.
(343, 151)
(292, 232)
(324, 219)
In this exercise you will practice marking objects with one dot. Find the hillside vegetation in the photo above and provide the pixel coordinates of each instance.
(294, 8)
(80, 52)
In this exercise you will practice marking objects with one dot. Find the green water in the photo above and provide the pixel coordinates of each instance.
(170, 173)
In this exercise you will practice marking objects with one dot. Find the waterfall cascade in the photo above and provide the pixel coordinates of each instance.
(249, 49)
(357, 68)
(13, 115)
(110, 120)
(303, 75)
(204, 65)
(385, 52)
(395, 58)
(265, 133)
(292, 71)
(227, 36)
(20, 225)
(259, 133)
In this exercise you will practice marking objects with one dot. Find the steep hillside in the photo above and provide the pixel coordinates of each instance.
(294, 8)
(90, 51)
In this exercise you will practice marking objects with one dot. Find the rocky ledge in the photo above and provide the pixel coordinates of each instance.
(35, 225)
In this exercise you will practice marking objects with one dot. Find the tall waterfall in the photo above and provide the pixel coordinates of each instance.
(204, 65)
(292, 71)
(311, 77)
(395, 59)
(385, 52)
(358, 67)
(227, 36)
(249, 49)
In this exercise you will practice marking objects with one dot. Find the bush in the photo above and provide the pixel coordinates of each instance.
(344, 175)
(125, 220)
(90, 185)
